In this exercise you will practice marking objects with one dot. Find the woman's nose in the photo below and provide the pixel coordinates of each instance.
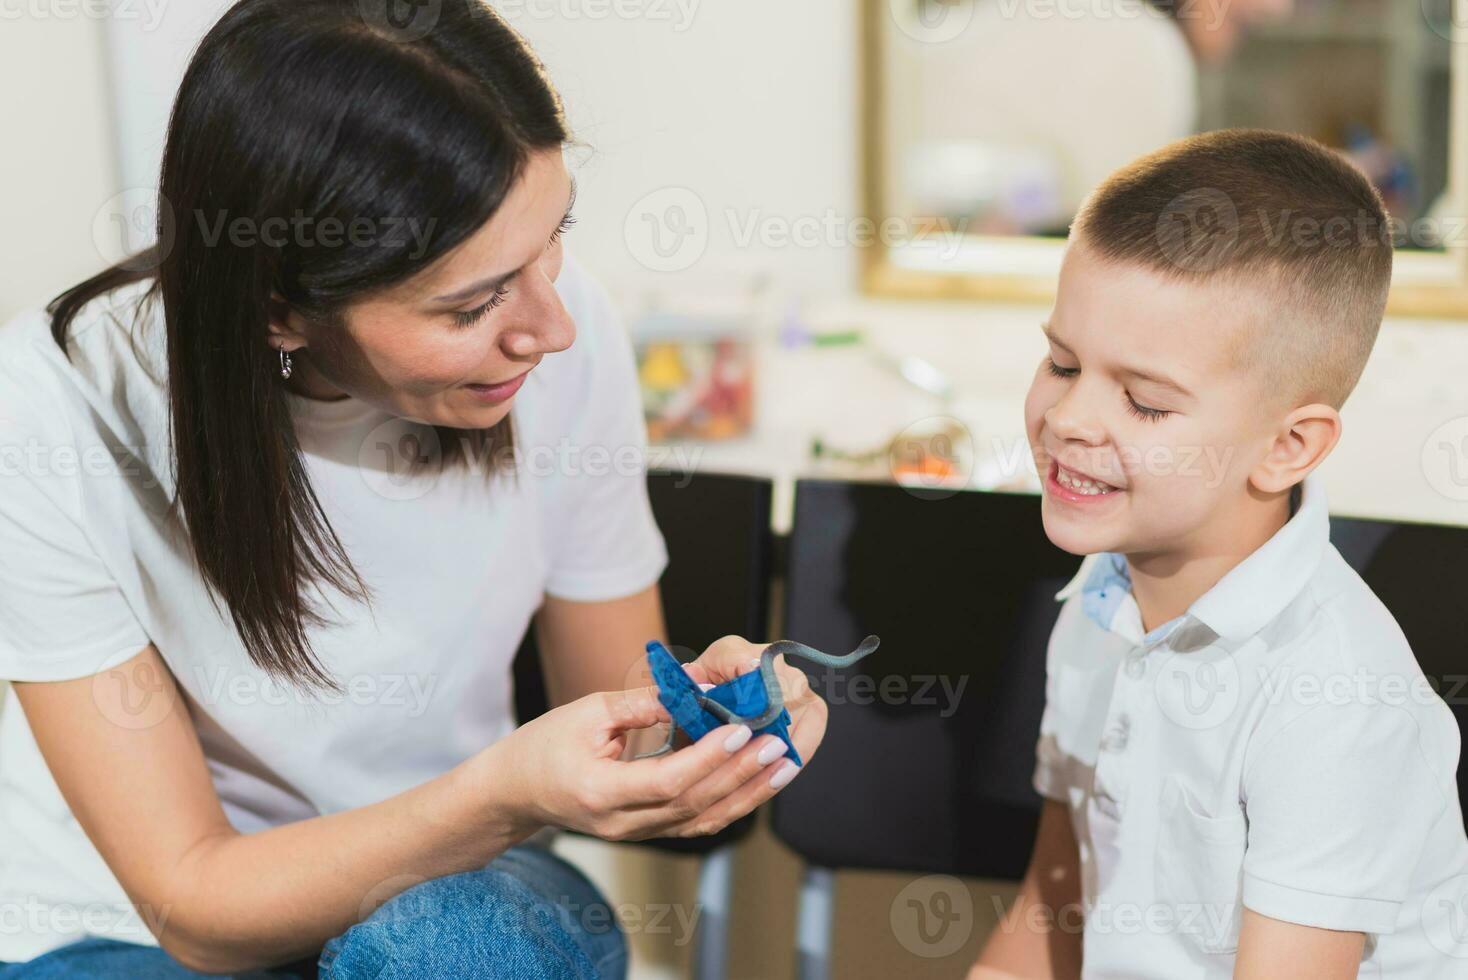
(540, 323)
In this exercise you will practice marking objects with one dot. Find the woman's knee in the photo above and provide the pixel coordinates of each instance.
(488, 923)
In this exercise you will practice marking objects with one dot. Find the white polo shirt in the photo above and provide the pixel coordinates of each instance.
(1275, 747)
(93, 568)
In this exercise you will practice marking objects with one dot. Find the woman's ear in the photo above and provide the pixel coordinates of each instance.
(1307, 436)
(287, 328)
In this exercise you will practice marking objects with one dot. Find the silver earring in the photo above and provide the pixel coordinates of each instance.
(285, 364)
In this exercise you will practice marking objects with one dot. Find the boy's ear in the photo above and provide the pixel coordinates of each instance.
(1306, 437)
(287, 328)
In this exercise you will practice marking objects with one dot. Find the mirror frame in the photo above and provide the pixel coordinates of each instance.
(1424, 284)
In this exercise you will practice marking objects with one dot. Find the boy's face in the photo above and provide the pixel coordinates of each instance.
(1143, 430)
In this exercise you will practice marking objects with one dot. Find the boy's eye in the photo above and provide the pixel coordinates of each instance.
(1145, 413)
(1058, 371)
(470, 317)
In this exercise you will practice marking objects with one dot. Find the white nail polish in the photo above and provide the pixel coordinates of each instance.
(737, 738)
(787, 772)
(770, 752)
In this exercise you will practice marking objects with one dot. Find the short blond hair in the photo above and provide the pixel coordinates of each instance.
(1280, 215)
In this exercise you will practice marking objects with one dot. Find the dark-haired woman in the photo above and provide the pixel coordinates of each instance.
(279, 499)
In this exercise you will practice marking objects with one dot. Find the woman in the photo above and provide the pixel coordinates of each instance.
(269, 543)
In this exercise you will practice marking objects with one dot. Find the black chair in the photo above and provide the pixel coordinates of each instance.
(1420, 573)
(927, 762)
(717, 530)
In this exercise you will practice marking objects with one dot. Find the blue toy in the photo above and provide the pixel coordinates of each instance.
(752, 699)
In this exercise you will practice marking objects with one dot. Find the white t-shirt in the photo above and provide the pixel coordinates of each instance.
(1276, 747)
(91, 571)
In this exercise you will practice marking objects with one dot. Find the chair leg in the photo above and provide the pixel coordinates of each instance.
(715, 898)
(814, 922)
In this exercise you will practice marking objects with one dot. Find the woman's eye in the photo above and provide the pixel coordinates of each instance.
(567, 223)
(1058, 371)
(470, 317)
(1145, 413)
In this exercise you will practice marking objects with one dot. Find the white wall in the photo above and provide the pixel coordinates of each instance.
(57, 167)
(750, 105)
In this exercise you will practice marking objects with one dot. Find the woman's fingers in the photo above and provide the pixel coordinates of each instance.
(807, 710)
(728, 657)
(743, 783)
(743, 801)
(624, 711)
(697, 673)
(657, 782)
(723, 776)
(732, 656)
(761, 755)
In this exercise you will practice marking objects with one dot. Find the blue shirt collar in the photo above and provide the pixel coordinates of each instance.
(1241, 603)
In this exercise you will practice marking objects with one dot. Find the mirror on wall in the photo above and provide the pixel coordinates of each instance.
(990, 120)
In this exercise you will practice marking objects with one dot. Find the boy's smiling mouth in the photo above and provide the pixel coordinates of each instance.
(1073, 486)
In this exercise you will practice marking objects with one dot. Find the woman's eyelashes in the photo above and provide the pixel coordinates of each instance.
(567, 223)
(1136, 408)
(468, 318)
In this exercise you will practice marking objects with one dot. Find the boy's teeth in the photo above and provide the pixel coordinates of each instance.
(1079, 485)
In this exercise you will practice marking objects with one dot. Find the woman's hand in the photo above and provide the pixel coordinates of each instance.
(731, 656)
(563, 769)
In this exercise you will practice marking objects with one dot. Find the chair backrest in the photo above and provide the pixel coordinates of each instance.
(1420, 573)
(927, 761)
(717, 530)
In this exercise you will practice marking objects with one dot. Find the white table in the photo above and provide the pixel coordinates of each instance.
(1417, 380)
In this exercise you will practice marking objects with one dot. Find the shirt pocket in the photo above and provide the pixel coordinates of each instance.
(1199, 869)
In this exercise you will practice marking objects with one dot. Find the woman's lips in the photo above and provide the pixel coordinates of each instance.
(497, 393)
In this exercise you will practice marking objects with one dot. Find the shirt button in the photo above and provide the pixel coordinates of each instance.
(1136, 665)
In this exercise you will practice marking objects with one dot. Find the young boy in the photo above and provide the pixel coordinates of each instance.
(1245, 772)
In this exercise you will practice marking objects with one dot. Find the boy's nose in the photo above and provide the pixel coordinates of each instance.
(1069, 420)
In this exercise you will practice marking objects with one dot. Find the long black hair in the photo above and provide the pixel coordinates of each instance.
(309, 111)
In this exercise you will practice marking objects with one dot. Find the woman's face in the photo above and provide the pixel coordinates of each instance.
(452, 345)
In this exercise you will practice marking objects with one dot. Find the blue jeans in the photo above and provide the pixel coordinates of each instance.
(528, 914)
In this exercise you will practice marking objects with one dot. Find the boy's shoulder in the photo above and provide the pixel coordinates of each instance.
(1338, 653)
(1338, 627)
